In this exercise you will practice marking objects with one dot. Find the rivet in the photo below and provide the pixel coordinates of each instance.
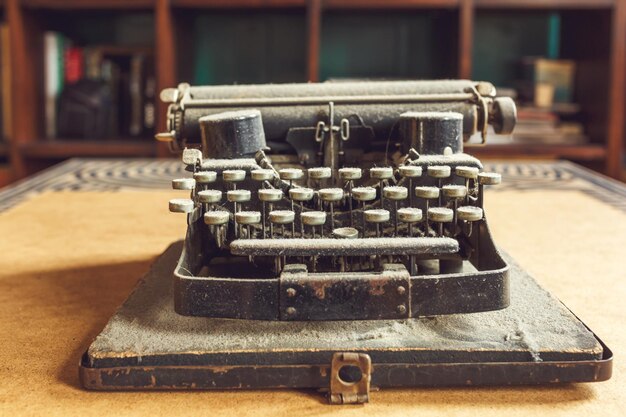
(401, 290)
(291, 292)
(401, 309)
(291, 310)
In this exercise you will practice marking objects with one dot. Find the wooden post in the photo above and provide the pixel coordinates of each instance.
(615, 137)
(466, 38)
(165, 54)
(314, 23)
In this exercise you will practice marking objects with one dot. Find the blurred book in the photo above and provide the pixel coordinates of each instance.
(126, 72)
(546, 81)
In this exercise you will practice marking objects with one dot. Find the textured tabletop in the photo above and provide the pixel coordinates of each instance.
(76, 239)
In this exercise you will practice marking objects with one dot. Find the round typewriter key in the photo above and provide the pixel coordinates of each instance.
(210, 196)
(234, 175)
(331, 194)
(409, 215)
(184, 184)
(486, 178)
(438, 171)
(364, 193)
(238, 196)
(381, 173)
(290, 174)
(313, 218)
(181, 205)
(440, 215)
(216, 218)
(350, 173)
(248, 217)
(282, 216)
(262, 174)
(454, 191)
(320, 173)
(377, 216)
(489, 178)
(395, 192)
(301, 194)
(470, 173)
(270, 195)
(205, 177)
(470, 213)
(346, 233)
(410, 171)
(428, 193)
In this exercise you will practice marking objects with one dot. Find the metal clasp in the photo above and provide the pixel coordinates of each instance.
(350, 376)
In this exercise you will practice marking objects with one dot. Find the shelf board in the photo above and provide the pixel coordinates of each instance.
(88, 4)
(390, 4)
(575, 152)
(237, 4)
(544, 4)
(60, 148)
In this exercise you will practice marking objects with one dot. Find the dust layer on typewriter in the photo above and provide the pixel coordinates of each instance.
(336, 201)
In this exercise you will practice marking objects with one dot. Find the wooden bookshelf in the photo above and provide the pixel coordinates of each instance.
(603, 101)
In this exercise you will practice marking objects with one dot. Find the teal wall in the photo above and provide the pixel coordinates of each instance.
(249, 48)
(502, 38)
(387, 45)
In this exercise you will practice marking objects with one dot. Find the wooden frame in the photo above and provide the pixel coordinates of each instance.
(26, 149)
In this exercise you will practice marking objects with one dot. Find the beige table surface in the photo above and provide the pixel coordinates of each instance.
(68, 259)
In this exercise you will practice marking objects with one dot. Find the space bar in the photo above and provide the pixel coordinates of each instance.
(349, 247)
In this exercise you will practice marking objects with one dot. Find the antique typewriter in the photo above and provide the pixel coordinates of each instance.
(337, 240)
(336, 201)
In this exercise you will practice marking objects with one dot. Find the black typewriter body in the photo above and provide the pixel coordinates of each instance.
(336, 201)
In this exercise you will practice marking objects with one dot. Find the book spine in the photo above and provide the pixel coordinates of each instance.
(53, 79)
(74, 70)
(7, 109)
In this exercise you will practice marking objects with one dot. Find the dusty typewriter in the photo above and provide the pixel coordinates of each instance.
(337, 240)
(336, 201)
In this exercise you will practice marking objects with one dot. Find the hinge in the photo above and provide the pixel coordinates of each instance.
(350, 376)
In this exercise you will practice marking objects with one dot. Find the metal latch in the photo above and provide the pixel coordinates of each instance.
(350, 375)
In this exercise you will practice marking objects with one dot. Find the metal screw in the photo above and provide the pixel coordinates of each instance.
(401, 309)
(401, 290)
(291, 292)
(291, 311)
